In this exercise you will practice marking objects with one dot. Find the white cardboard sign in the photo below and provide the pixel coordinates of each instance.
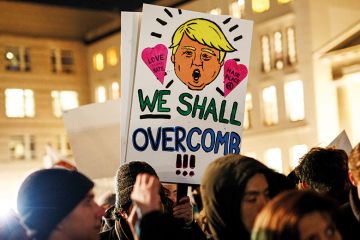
(130, 22)
(189, 91)
(342, 141)
(94, 136)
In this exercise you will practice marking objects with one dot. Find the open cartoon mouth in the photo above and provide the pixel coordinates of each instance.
(196, 74)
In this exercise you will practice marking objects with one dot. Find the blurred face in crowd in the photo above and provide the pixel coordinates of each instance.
(354, 181)
(255, 197)
(84, 221)
(318, 226)
(171, 191)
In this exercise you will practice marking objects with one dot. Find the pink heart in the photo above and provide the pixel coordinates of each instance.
(155, 59)
(233, 75)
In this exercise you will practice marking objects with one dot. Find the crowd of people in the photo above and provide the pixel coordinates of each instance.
(238, 198)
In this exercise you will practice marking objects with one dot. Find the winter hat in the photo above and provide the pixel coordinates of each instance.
(125, 180)
(47, 196)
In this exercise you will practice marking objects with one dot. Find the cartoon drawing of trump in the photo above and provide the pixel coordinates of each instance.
(199, 48)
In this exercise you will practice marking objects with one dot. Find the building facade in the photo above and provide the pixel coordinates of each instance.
(293, 102)
(302, 88)
(40, 78)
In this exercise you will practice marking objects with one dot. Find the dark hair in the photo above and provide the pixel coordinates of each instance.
(222, 189)
(125, 180)
(47, 196)
(279, 219)
(325, 170)
(354, 162)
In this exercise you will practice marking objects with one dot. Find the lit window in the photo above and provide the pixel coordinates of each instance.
(215, 11)
(260, 6)
(273, 159)
(62, 145)
(115, 90)
(291, 46)
(265, 49)
(19, 103)
(17, 147)
(22, 147)
(54, 62)
(32, 149)
(294, 98)
(283, 1)
(270, 105)
(12, 58)
(237, 8)
(62, 61)
(98, 61)
(247, 113)
(297, 152)
(101, 94)
(26, 55)
(64, 100)
(67, 61)
(112, 56)
(278, 50)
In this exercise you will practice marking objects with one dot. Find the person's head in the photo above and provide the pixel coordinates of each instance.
(234, 189)
(354, 167)
(170, 191)
(125, 180)
(297, 215)
(325, 170)
(198, 52)
(59, 203)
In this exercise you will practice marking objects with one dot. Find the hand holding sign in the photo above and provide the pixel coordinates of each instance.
(233, 75)
(155, 59)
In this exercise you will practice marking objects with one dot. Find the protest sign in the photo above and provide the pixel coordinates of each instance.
(342, 142)
(189, 91)
(129, 40)
(94, 136)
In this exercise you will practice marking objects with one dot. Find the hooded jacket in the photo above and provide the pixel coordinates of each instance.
(348, 220)
(154, 225)
(222, 189)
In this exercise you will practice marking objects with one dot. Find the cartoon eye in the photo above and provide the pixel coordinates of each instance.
(188, 53)
(206, 56)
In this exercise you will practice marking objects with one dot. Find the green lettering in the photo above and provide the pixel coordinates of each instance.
(222, 111)
(145, 103)
(233, 115)
(200, 107)
(184, 102)
(162, 101)
(211, 109)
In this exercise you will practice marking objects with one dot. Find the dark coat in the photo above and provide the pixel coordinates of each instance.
(348, 220)
(223, 186)
(163, 227)
(153, 226)
(112, 229)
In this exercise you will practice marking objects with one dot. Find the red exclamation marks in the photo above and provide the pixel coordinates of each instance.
(183, 162)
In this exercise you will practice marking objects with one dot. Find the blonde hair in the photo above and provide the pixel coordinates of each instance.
(205, 32)
(354, 162)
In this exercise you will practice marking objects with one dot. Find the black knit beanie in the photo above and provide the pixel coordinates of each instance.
(125, 180)
(47, 196)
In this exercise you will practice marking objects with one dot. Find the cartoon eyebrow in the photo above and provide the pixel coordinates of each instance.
(208, 51)
(189, 48)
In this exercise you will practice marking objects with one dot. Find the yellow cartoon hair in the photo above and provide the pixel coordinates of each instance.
(205, 32)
